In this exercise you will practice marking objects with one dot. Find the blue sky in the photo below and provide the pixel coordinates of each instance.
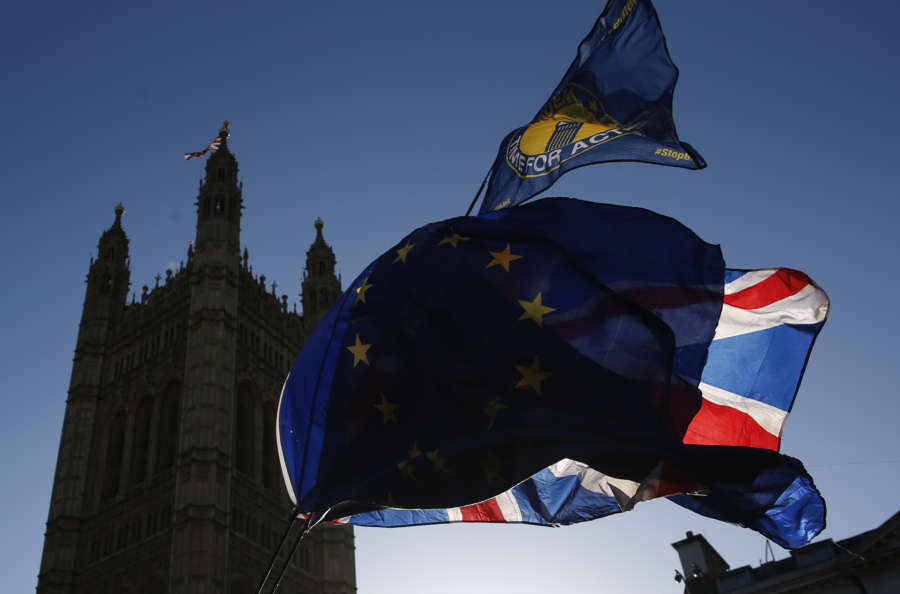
(382, 117)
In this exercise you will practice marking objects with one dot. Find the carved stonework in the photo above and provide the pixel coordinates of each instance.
(148, 495)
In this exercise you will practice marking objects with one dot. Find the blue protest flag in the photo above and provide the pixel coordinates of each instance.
(613, 104)
(481, 353)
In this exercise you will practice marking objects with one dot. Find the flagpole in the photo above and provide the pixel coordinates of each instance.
(294, 515)
(284, 567)
(478, 193)
(310, 524)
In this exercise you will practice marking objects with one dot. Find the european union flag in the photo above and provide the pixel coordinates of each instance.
(613, 104)
(480, 350)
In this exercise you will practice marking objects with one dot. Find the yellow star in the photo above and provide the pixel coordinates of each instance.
(453, 239)
(532, 376)
(491, 411)
(361, 292)
(502, 258)
(402, 252)
(406, 470)
(359, 351)
(414, 452)
(387, 409)
(440, 465)
(535, 310)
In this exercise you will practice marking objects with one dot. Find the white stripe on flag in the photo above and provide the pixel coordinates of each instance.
(509, 507)
(752, 277)
(809, 305)
(592, 480)
(454, 514)
(769, 417)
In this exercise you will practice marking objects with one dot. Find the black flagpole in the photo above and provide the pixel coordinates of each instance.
(294, 516)
(310, 524)
(284, 567)
(478, 193)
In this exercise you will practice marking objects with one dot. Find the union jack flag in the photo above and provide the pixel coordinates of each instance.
(769, 321)
(213, 147)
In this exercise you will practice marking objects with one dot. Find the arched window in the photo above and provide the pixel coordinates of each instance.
(167, 435)
(323, 297)
(141, 441)
(220, 204)
(221, 173)
(243, 431)
(270, 463)
(112, 475)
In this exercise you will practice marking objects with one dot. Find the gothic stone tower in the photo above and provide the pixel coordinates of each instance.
(167, 479)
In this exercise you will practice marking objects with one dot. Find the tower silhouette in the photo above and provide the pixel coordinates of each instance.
(167, 479)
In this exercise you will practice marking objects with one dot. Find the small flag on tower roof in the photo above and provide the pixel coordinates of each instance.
(213, 146)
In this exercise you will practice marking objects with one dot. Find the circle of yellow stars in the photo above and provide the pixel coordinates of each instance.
(532, 376)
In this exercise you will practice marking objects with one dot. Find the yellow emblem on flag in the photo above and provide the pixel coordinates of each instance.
(571, 115)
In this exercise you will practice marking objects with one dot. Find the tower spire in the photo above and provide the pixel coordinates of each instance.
(219, 202)
(110, 276)
(224, 133)
(104, 306)
(320, 287)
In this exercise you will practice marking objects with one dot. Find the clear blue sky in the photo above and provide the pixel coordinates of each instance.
(379, 117)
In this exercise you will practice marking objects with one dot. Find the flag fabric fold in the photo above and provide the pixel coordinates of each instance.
(780, 501)
(566, 492)
(780, 312)
(554, 353)
(613, 104)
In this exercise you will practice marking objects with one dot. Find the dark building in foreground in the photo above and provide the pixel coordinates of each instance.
(168, 478)
(868, 563)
